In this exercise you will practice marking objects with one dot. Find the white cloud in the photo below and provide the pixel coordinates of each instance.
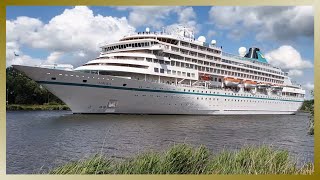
(309, 86)
(187, 16)
(13, 49)
(236, 34)
(22, 29)
(211, 33)
(287, 57)
(75, 30)
(276, 23)
(155, 16)
(295, 73)
(53, 57)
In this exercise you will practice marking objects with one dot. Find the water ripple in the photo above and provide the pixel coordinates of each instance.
(40, 140)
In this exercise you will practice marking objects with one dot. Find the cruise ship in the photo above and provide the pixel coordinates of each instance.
(171, 72)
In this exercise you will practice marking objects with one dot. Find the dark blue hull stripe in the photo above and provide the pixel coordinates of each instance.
(160, 91)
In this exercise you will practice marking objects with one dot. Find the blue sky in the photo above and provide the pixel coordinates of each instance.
(67, 34)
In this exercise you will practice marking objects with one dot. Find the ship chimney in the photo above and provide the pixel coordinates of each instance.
(252, 53)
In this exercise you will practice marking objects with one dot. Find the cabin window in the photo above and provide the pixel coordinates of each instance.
(156, 70)
(161, 70)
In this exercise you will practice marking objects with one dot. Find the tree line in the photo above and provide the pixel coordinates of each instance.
(20, 89)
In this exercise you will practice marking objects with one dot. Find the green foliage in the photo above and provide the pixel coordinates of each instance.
(23, 90)
(148, 163)
(311, 119)
(307, 105)
(15, 107)
(94, 165)
(250, 160)
(183, 159)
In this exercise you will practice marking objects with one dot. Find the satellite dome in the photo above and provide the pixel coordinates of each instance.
(242, 51)
(213, 42)
(147, 29)
(201, 39)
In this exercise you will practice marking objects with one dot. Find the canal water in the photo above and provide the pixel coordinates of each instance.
(41, 140)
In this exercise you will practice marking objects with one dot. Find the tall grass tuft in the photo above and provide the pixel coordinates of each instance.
(250, 160)
(96, 164)
(148, 163)
(184, 159)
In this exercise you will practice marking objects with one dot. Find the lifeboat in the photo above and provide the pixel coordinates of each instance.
(249, 84)
(232, 82)
(263, 85)
(205, 77)
(277, 86)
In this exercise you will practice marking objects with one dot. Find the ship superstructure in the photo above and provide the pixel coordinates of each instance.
(172, 73)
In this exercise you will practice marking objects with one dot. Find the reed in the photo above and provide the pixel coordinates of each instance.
(184, 159)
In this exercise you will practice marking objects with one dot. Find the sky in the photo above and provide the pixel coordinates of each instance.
(73, 34)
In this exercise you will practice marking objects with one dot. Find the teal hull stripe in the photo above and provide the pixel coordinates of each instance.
(154, 90)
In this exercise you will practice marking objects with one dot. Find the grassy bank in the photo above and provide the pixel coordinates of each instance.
(183, 159)
(15, 107)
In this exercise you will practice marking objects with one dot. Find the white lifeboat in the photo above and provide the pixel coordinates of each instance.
(249, 84)
(263, 85)
(277, 86)
(231, 82)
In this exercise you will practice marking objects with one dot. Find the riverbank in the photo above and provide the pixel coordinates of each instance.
(15, 107)
(184, 159)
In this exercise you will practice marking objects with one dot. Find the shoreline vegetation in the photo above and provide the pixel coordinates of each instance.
(184, 159)
(36, 107)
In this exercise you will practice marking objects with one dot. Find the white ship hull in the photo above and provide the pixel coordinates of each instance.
(109, 94)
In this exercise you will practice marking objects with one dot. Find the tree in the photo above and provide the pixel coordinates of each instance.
(23, 90)
(311, 118)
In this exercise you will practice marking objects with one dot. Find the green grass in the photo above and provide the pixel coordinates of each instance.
(184, 159)
(16, 107)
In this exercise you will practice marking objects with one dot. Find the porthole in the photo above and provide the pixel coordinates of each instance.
(84, 80)
(53, 78)
(124, 85)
